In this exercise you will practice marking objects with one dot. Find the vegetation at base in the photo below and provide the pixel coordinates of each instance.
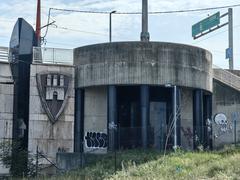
(17, 159)
(140, 164)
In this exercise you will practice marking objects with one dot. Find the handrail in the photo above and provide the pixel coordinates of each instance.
(38, 153)
(53, 55)
(4, 53)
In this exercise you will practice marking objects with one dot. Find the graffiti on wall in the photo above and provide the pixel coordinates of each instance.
(223, 125)
(188, 134)
(96, 140)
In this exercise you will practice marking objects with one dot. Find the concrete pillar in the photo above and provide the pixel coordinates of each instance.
(144, 114)
(112, 116)
(208, 121)
(198, 122)
(133, 112)
(145, 34)
(178, 116)
(79, 120)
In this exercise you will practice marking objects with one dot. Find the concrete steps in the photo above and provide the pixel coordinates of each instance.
(226, 77)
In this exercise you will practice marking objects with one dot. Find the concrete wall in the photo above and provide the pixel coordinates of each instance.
(187, 118)
(95, 116)
(154, 63)
(225, 100)
(50, 138)
(6, 106)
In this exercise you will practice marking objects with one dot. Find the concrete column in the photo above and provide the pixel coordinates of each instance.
(208, 121)
(198, 122)
(144, 114)
(145, 34)
(112, 116)
(79, 120)
(133, 112)
(178, 98)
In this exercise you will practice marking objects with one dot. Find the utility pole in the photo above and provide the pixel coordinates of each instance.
(145, 34)
(211, 24)
(230, 37)
(38, 23)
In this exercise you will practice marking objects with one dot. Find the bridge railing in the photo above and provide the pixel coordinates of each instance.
(3, 54)
(53, 55)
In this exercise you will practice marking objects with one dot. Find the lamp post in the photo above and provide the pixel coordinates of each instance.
(110, 25)
(175, 116)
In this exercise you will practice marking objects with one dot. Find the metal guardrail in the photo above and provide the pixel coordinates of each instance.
(226, 77)
(3, 54)
(53, 55)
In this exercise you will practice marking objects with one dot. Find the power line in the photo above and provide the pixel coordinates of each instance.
(156, 12)
(76, 30)
(153, 12)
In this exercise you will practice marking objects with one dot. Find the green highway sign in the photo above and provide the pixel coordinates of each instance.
(206, 24)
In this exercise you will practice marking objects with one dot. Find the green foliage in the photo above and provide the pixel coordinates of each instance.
(5, 153)
(13, 156)
(150, 164)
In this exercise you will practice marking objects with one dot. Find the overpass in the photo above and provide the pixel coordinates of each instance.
(224, 76)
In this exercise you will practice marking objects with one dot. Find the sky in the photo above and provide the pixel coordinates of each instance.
(73, 30)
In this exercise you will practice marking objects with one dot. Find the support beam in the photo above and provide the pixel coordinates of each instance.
(79, 120)
(112, 116)
(208, 121)
(178, 123)
(145, 34)
(144, 114)
(198, 123)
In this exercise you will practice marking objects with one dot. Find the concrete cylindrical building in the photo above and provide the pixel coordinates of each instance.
(125, 91)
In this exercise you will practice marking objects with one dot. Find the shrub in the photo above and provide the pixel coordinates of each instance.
(17, 158)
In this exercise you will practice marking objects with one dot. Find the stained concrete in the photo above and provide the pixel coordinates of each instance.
(6, 107)
(95, 114)
(186, 118)
(154, 63)
(50, 138)
(225, 100)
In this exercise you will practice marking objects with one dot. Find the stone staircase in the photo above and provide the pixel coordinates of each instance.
(226, 77)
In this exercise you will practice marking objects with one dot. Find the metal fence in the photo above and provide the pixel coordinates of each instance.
(128, 146)
(53, 55)
(3, 54)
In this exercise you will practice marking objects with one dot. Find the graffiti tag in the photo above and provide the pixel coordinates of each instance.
(223, 125)
(96, 140)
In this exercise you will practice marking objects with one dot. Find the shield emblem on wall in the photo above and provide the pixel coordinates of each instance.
(53, 88)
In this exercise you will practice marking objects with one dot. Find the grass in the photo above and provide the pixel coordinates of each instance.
(139, 164)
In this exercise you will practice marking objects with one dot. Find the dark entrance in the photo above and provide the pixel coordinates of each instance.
(129, 117)
(129, 120)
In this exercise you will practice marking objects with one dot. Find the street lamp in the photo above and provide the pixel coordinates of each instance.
(110, 25)
(174, 112)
